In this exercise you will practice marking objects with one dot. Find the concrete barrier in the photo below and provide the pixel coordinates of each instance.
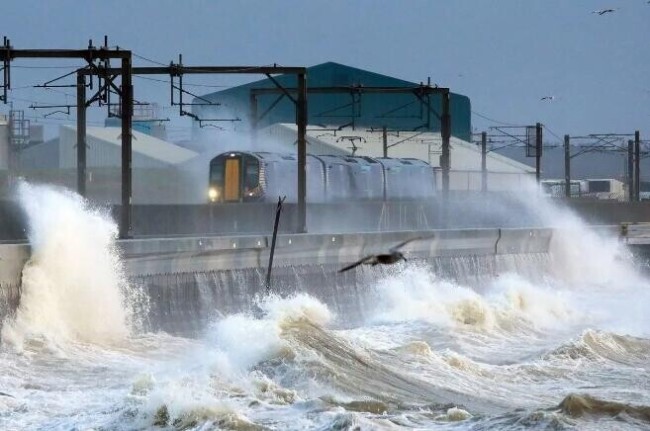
(187, 278)
(196, 254)
(518, 241)
(12, 260)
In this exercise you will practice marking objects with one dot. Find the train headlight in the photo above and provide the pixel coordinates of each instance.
(213, 194)
(254, 192)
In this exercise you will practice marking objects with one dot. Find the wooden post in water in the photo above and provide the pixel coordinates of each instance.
(278, 210)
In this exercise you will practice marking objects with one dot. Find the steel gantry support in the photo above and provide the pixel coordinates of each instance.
(301, 120)
(81, 135)
(538, 152)
(567, 166)
(418, 91)
(8, 53)
(484, 173)
(178, 70)
(630, 171)
(445, 132)
(634, 170)
(604, 142)
(532, 139)
(81, 106)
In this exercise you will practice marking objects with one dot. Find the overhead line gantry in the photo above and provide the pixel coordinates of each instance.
(125, 90)
(8, 53)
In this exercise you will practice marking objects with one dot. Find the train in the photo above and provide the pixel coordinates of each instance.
(605, 188)
(238, 176)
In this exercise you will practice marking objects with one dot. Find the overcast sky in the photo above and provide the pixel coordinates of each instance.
(504, 54)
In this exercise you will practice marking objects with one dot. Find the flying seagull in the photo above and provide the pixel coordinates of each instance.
(393, 255)
(603, 11)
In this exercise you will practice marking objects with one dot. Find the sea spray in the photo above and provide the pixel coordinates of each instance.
(73, 287)
(583, 255)
(508, 302)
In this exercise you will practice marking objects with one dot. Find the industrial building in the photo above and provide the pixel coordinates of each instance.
(162, 171)
(343, 104)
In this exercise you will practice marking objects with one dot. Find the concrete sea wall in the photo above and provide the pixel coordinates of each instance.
(199, 254)
(187, 280)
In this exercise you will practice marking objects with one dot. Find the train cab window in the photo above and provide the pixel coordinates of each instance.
(216, 174)
(251, 174)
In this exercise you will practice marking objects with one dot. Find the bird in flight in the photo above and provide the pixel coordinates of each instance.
(393, 255)
(603, 11)
(551, 98)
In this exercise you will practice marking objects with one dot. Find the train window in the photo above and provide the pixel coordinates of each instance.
(216, 173)
(599, 186)
(251, 176)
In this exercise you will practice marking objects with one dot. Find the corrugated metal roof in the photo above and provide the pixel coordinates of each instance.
(144, 144)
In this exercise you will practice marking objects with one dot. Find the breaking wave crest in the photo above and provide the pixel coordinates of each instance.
(579, 406)
(599, 345)
(73, 287)
(509, 302)
(359, 371)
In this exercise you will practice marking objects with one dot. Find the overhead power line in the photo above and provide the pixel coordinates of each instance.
(551, 132)
(164, 81)
(492, 119)
(45, 67)
(142, 57)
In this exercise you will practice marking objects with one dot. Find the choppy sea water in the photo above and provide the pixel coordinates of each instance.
(568, 351)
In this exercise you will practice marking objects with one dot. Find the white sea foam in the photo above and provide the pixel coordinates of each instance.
(247, 340)
(416, 294)
(73, 285)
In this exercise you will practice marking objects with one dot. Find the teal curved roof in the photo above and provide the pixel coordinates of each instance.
(396, 111)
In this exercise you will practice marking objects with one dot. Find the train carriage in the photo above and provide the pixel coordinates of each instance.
(238, 176)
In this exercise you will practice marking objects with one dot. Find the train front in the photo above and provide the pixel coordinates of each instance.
(235, 177)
